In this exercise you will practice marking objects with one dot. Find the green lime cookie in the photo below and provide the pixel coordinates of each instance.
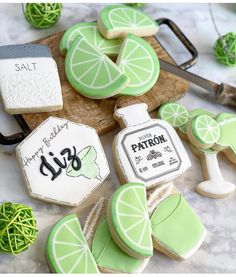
(139, 62)
(109, 257)
(176, 229)
(116, 21)
(90, 32)
(129, 222)
(92, 73)
(67, 249)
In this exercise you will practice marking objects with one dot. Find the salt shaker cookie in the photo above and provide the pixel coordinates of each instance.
(29, 79)
(147, 150)
(67, 249)
(90, 32)
(177, 231)
(62, 161)
(92, 73)
(129, 222)
(108, 255)
(116, 21)
(139, 62)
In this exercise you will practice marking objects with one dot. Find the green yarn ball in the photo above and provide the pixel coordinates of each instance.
(42, 15)
(136, 5)
(225, 49)
(17, 228)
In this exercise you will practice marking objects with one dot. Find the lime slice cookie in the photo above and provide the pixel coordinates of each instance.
(129, 222)
(116, 21)
(177, 230)
(90, 32)
(92, 73)
(139, 62)
(109, 257)
(67, 249)
(203, 131)
(173, 113)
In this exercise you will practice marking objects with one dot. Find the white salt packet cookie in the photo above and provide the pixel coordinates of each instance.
(29, 80)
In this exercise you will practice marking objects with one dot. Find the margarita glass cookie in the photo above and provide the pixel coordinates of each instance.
(90, 32)
(176, 229)
(129, 222)
(29, 79)
(139, 62)
(67, 250)
(91, 72)
(116, 21)
(62, 161)
(108, 255)
(147, 150)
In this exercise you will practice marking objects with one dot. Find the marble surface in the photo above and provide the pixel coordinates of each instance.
(218, 252)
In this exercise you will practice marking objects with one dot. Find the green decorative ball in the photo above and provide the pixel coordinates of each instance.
(136, 5)
(225, 49)
(17, 228)
(42, 15)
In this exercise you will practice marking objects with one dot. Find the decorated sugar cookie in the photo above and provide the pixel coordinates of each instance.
(177, 231)
(62, 161)
(129, 221)
(29, 80)
(147, 150)
(89, 31)
(116, 21)
(92, 73)
(67, 249)
(139, 62)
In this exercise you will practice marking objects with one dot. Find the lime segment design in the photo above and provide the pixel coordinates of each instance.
(90, 32)
(130, 219)
(173, 113)
(205, 129)
(139, 62)
(67, 248)
(91, 72)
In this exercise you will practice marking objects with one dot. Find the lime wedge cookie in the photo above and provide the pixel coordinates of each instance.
(129, 221)
(116, 21)
(92, 73)
(139, 63)
(67, 249)
(90, 32)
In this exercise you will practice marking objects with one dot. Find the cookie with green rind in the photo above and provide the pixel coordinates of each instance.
(177, 231)
(203, 131)
(92, 73)
(139, 62)
(116, 21)
(129, 221)
(90, 32)
(109, 257)
(67, 249)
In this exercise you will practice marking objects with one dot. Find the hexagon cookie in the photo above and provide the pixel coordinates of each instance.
(62, 161)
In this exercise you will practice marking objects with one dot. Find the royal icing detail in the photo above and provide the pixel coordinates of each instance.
(129, 220)
(92, 73)
(62, 162)
(147, 150)
(139, 62)
(67, 249)
(29, 80)
(176, 227)
(118, 20)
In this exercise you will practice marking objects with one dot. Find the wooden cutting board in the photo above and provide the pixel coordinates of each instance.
(99, 113)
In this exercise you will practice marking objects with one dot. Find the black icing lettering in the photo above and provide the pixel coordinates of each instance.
(162, 139)
(17, 67)
(45, 164)
(76, 162)
(134, 147)
(151, 143)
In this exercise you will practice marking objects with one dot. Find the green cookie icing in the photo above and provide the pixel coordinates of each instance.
(129, 217)
(121, 17)
(139, 62)
(67, 249)
(91, 72)
(227, 124)
(108, 255)
(176, 226)
(89, 31)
